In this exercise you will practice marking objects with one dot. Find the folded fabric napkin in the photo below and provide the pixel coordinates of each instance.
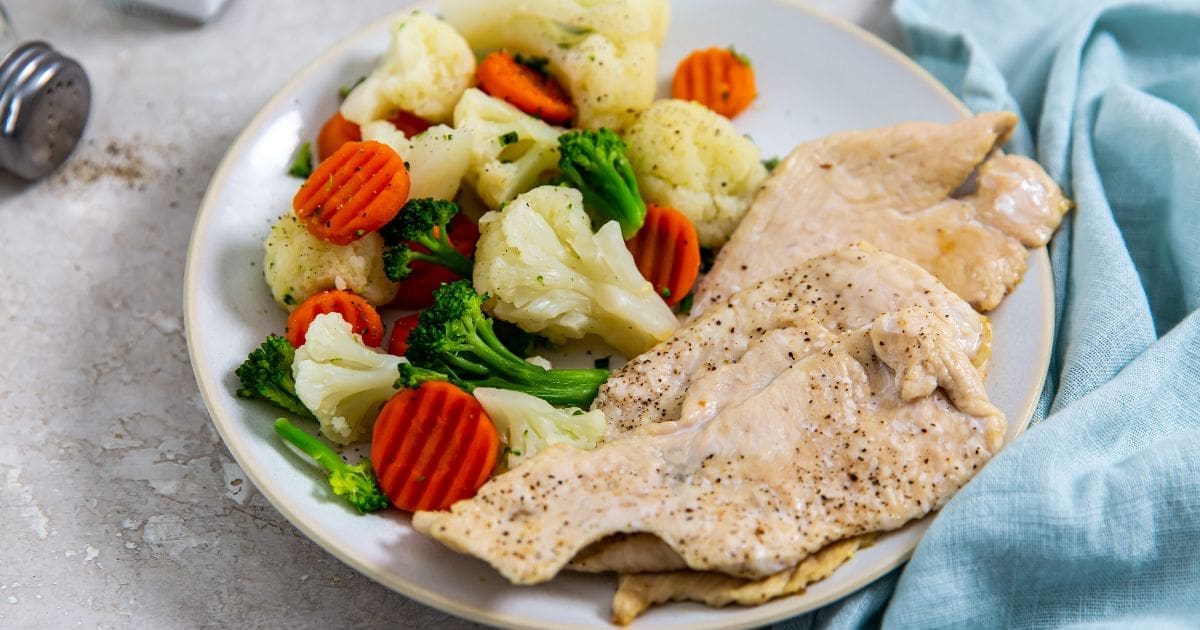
(1093, 516)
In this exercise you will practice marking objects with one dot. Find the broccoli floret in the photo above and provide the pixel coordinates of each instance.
(423, 222)
(267, 374)
(356, 483)
(594, 162)
(302, 164)
(455, 341)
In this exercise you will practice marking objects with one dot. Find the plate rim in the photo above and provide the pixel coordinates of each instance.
(430, 597)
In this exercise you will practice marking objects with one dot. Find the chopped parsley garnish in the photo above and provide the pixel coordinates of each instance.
(771, 163)
(535, 63)
(508, 138)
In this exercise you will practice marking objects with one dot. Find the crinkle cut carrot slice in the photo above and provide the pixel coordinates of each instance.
(355, 191)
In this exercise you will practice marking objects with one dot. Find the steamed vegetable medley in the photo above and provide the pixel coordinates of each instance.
(504, 172)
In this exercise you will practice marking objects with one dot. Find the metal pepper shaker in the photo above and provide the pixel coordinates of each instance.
(45, 98)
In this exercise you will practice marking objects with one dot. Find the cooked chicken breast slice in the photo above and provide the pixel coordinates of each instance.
(845, 290)
(1014, 194)
(766, 357)
(828, 450)
(907, 339)
(637, 592)
(627, 553)
(895, 187)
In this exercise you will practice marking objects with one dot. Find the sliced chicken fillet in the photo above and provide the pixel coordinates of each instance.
(828, 450)
(844, 290)
(908, 339)
(627, 553)
(636, 593)
(901, 189)
(766, 358)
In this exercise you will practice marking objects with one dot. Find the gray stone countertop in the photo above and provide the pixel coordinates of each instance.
(120, 505)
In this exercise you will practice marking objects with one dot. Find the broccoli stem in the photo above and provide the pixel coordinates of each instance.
(441, 252)
(424, 222)
(502, 369)
(314, 448)
(357, 484)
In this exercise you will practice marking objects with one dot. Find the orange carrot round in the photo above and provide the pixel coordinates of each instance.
(334, 133)
(718, 78)
(356, 190)
(667, 252)
(398, 341)
(535, 93)
(433, 446)
(354, 309)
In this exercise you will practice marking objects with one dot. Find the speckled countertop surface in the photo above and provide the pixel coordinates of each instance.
(120, 505)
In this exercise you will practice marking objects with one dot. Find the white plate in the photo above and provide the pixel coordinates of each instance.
(816, 75)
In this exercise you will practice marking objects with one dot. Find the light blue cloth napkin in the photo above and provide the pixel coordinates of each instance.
(1093, 517)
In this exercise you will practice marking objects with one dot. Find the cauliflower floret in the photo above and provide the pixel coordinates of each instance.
(425, 71)
(491, 24)
(608, 83)
(298, 265)
(509, 148)
(528, 424)
(550, 275)
(692, 159)
(437, 158)
(604, 52)
(341, 380)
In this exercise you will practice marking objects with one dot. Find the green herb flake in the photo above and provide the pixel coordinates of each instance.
(541, 280)
(288, 299)
(508, 138)
(771, 163)
(535, 63)
(666, 292)
(740, 56)
(345, 90)
(302, 163)
(578, 30)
